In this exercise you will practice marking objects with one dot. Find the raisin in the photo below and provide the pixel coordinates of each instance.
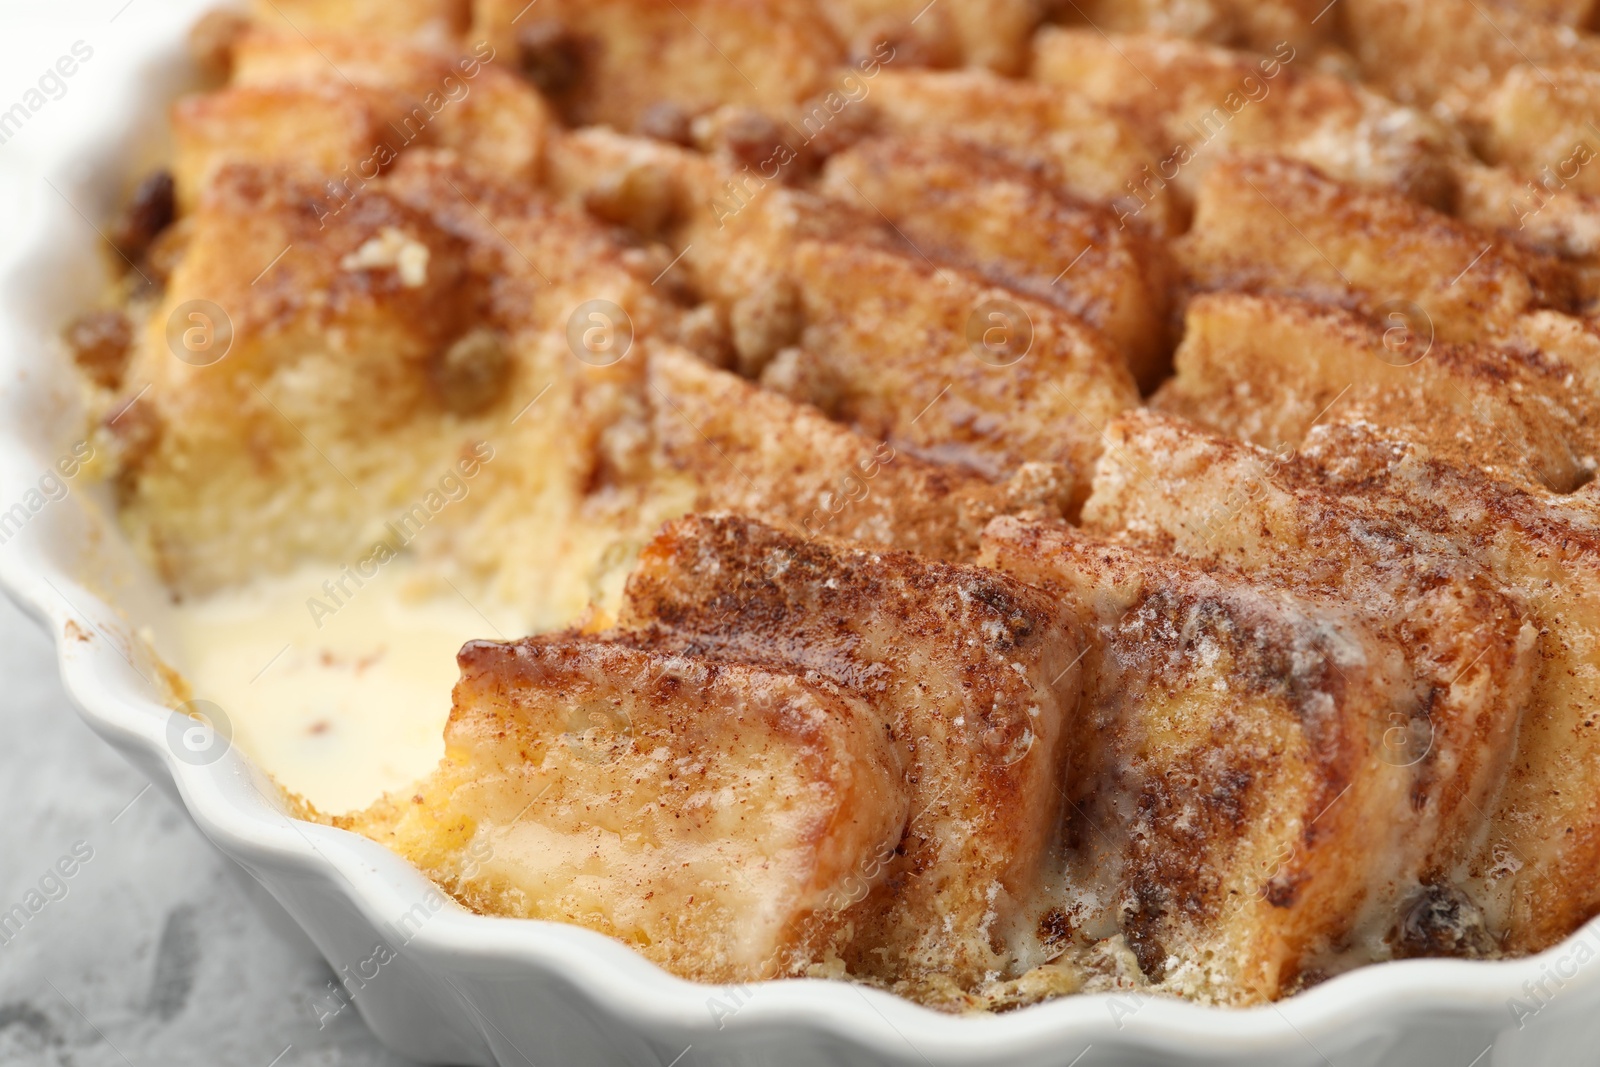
(100, 341)
(834, 121)
(1440, 920)
(550, 56)
(471, 374)
(753, 139)
(895, 40)
(666, 121)
(150, 210)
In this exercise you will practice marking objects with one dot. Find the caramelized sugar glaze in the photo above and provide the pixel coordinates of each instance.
(1040, 498)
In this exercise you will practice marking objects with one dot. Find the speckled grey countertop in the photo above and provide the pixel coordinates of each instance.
(152, 951)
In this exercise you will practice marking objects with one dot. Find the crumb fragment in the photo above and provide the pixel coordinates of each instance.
(392, 250)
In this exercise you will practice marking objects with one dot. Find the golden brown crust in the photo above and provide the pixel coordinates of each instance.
(979, 33)
(962, 204)
(1233, 793)
(1255, 25)
(1466, 640)
(753, 452)
(1368, 517)
(1077, 143)
(1545, 830)
(977, 675)
(1269, 224)
(1447, 52)
(343, 107)
(628, 55)
(898, 348)
(270, 126)
(218, 424)
(1514, 412)
(873, 331)
(1198, 101)
(591, 782)
(332, 303)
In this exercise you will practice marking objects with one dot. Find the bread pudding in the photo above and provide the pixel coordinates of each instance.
(991, 500)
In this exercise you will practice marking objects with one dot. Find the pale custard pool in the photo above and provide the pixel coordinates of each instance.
(338, 707)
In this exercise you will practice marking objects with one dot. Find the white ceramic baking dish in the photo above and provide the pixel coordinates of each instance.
(442, 985)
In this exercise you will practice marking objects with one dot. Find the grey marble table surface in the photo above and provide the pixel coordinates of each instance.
(151, 952)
